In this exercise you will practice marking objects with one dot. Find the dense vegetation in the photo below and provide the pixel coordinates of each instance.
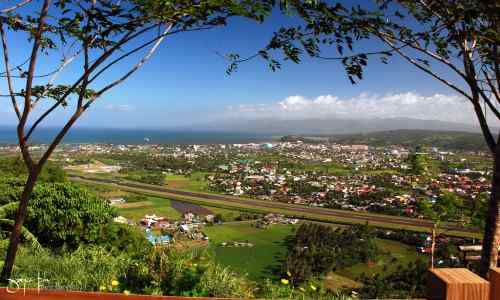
(407, 282)
(317, 249)
(449, 140)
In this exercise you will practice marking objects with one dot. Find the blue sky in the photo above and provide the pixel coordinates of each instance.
(185, 83)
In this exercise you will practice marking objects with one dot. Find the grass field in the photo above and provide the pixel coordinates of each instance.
(150, 205)
(395, 254)
(195, 182)
(228, 215)
(268, 247)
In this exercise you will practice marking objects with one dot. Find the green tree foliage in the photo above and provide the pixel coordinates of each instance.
(13, 166)
(316, 249)
(406, 282)
(10, 189)
(67, 215)
(144, 176)
(448, 207)
(479, 211)
(8, 210)
(125, 239)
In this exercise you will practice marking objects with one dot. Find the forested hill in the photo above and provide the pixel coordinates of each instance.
(450, 140)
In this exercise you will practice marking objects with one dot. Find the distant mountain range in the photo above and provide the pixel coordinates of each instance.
(332, 126)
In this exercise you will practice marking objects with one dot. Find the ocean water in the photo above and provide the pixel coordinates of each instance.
(137, 136)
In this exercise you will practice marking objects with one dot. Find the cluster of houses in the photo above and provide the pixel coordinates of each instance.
(377, 179)
(344, 176)
(271, 219)
(190, 227)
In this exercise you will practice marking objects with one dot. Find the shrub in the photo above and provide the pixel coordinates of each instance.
(86, 269)
(65, 215)
(186, 273)
(311, 290)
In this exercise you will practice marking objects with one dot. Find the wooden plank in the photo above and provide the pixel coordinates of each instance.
(472, 257)
(495, 284)
(472, 248)
(456, 284)
(35, 294)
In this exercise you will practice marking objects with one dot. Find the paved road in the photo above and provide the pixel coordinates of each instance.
(291, 209)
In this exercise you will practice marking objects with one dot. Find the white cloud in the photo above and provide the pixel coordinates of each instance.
(119, 107)
(402, 105)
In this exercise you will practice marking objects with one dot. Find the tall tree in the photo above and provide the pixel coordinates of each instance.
(93, 36)
(455, 42)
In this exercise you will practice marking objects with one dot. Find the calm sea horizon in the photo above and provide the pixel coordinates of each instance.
(138, 136)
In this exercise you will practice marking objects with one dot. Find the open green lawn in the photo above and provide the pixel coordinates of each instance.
(149, 205)
(394, 254)
(228, 215)
(195, 182)
(332, 168)
(268, 247)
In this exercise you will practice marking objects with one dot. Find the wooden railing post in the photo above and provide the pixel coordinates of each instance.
(456, 284)
(495, 284)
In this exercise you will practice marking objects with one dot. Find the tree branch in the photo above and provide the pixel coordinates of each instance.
(135, 68)
(426, 70)
(127, 37)
(55, 74)
(11, 9)
(7, 68)
(118, 59)
(29, 84)
(59, 137)
(475, 90)
(16, 67)
(82, 109)
(493, 89)
(492, 107)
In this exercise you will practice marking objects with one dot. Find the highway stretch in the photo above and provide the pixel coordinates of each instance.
(299, 211)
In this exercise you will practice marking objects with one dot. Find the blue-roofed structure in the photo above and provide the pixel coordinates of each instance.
(158, 240)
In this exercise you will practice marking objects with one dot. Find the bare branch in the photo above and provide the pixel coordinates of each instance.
(127, 37)
(16, 67)
(59, 137)
(355, 55)
(493, 89)
(80, 110)
(11, 9)
(487, 100)
(118, 59)
(483, 123)
(133, 69)
(7, 68)
(476, 91)
(55, 74)
(415, 45)
(29, 84)
(426, 70)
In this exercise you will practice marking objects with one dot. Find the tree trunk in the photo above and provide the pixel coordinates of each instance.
(16, 231)
(491, 238)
